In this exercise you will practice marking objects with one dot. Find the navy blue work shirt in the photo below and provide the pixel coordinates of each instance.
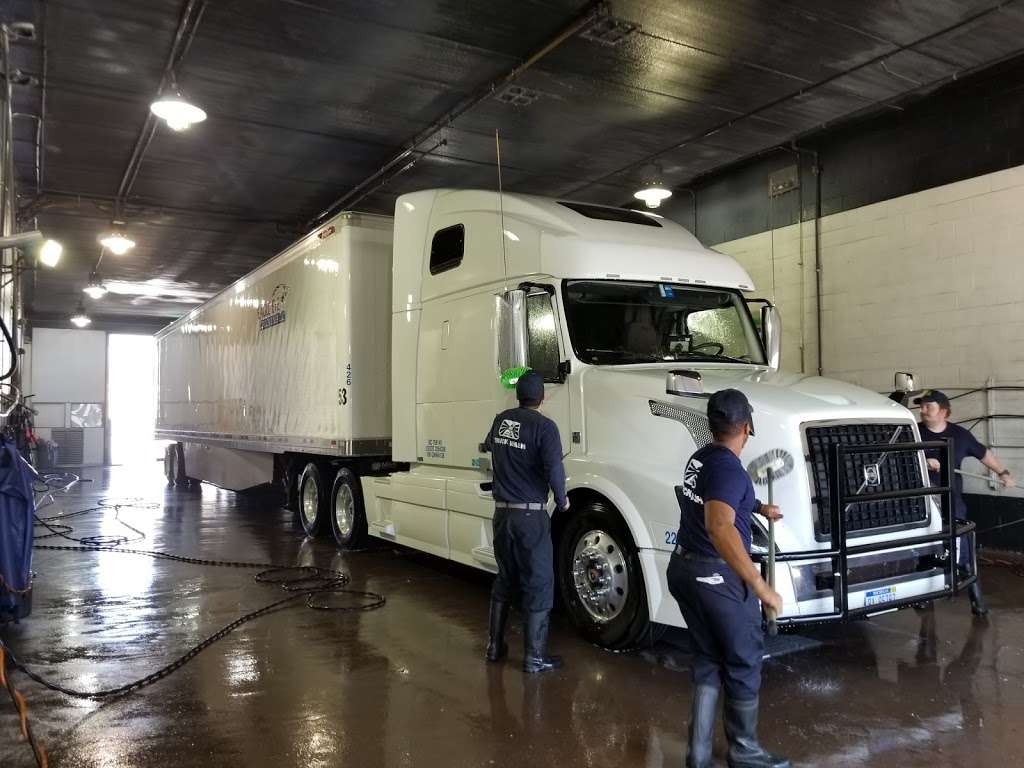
(527, 457)
(964, 444)
(714, 473)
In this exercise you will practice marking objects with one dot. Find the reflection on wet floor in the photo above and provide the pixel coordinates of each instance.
(405, 685)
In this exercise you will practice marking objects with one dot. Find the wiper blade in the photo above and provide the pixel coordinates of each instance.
(700, 356)
(642, 357)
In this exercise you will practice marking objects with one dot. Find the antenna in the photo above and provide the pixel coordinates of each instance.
(501, 214)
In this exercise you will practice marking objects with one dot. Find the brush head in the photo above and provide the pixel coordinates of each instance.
(777, 461)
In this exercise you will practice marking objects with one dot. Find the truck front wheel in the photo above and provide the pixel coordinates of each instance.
(600, 578)
(348, 516)
(312, 511)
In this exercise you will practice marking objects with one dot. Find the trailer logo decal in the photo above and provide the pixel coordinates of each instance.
(872, 475)
(509, 429)
(272, 313)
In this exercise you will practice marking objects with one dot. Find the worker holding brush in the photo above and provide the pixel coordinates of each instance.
(717, 586)
(935, 425)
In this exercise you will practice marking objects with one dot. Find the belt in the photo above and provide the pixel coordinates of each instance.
(680, 552)
(518, 505)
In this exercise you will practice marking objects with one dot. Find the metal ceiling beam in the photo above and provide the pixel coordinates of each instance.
(589, 14)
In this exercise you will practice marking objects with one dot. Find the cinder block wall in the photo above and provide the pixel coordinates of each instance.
(931, 282)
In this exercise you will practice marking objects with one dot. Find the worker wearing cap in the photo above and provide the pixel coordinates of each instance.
(935, 425)
(717, 586)
(527, 460)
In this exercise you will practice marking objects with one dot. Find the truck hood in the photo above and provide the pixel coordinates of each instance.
(776, 395)
(641, 437)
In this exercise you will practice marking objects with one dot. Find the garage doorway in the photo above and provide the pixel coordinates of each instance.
(131, 399)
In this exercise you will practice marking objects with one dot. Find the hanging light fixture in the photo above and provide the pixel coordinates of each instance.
(175, 110)
(117, 242)
(654, 191)
(80, 319)
(95, 289)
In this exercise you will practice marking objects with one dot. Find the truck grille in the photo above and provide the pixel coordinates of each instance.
(895, 471)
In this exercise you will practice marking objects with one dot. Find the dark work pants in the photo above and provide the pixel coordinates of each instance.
(522, 547)
(724, 620)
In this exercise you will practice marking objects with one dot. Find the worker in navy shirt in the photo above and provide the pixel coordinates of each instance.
(526, 454)
(717, 586)
(935, 425)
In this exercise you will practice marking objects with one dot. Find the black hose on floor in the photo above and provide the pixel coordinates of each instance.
(313, 584)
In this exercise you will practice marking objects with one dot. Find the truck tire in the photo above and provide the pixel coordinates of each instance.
(600, 578)
(313, 495)
(347, 513)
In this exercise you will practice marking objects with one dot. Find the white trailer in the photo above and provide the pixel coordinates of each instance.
(362, 367)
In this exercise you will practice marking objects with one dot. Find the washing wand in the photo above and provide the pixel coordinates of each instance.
(765, 470)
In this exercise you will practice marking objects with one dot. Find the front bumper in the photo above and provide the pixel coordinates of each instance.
(847, 582)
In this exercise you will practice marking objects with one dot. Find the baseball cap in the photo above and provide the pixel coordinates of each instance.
(730, 406)
(933, 396)
(530, 387)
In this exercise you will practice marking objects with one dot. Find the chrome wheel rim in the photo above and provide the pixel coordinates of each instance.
(344, 510)
(600, 575)
(310, 501)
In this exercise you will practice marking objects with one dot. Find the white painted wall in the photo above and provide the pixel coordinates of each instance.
(929, 283)
(69, 367)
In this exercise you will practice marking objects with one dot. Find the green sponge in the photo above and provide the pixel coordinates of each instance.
(510, 377)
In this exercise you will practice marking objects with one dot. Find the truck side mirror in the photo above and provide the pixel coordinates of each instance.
(771, 334)
(512, 330)
(904, 388)
(904, 382)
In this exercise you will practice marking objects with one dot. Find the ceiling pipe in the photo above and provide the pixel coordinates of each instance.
(103, 206)
(188, 24)
(587, 17)
(802, 91)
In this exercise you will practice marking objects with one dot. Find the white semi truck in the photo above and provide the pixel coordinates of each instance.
(362, 366)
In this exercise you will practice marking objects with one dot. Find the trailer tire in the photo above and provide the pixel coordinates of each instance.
(347, 513)
(600, 579)
(170, 464)
(311, 514)
(290, 483)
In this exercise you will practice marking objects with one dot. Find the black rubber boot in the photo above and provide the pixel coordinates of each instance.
(535, 644)
(978, 606)
(741, 733)
(497, 648)
(703, 712)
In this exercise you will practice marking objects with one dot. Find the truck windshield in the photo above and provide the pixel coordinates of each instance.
(618, 323)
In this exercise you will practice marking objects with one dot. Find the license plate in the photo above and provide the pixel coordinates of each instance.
(879, 596)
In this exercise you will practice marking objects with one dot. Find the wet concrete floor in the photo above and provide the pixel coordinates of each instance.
(405, 685)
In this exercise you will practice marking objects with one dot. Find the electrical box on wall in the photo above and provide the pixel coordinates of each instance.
(783, 181)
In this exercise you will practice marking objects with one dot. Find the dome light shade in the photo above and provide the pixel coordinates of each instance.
(117, 243)
(95, 289)
(176, 112)
(653, 195)
(80, 319)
